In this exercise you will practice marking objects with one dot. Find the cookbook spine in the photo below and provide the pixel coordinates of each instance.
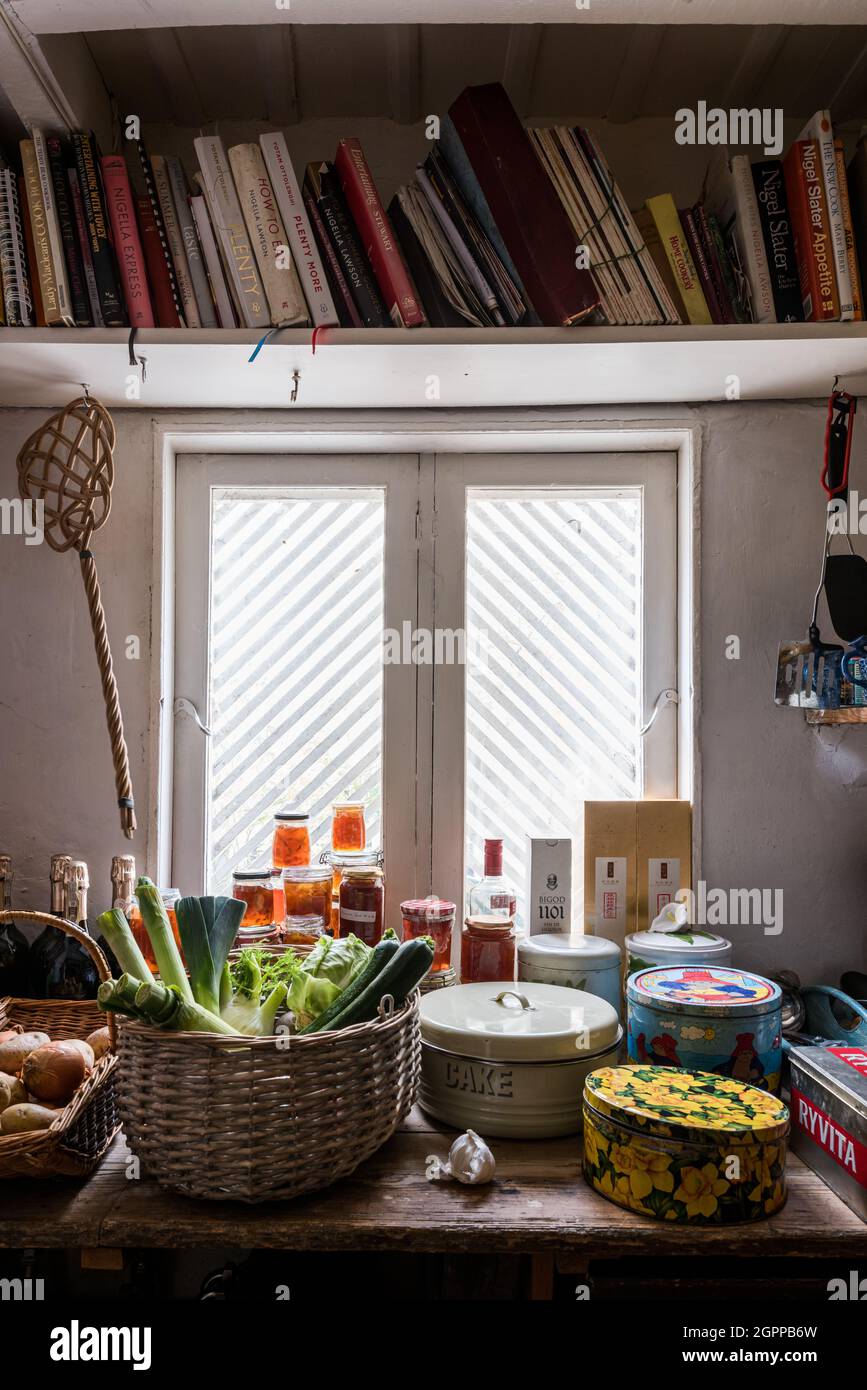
(849, 233)
(41, 242)
(268, 237)
(377, 236)
(147, 173)
(78, 300)
(341, 293)
(359, 276)
(229, 227)
(773, 205)
(296, 221)
(52, 229)
(104, 268)
(13, 255)
(176, 243)
(213, 264)
(127, 242)
(806, 194)
(32, 259)
(84, 246)
(190, 239)
(162, 295)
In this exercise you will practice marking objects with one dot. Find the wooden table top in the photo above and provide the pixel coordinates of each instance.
(537, 1204)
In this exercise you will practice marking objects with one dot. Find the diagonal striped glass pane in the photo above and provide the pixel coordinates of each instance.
(295, 645)
(554, 667)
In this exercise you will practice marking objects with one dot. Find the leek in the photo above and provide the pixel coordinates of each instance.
(116, 930)
(118, 996)
(162, 939)
(208, 927)
(163, 1005)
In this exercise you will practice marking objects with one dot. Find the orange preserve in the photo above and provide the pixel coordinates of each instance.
(307, 891)
(362, 903)
(137, 926)
(291, 844)
(433, 917)
(347, 826)
(262, 895)
(487, 949)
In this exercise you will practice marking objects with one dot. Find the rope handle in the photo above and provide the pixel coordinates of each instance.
(83, 939)
(113, 716)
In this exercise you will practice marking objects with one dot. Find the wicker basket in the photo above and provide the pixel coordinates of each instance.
(262, 1118)
(82, 1132)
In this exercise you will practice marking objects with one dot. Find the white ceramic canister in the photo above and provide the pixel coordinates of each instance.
(589, 963)
(509, 1061)
(687, 947)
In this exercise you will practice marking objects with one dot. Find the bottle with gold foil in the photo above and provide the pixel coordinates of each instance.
(14, 950)
(49, 939)
(122, 898)
(71, 974)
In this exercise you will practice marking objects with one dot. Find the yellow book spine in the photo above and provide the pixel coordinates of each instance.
(41, 241)
(848, 231)
(664, 214)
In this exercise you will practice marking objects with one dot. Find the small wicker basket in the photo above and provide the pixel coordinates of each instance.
(258, 1119)
(82, 1132)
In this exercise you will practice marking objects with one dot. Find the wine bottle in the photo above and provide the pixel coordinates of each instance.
(14, 950)
(71, 974)
(122, 898)
(49, 939)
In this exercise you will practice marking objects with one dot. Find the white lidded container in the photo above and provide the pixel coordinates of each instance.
(509, 1061)
(690, 946)
(589, 963)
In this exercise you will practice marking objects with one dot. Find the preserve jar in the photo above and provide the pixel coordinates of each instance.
(434, 917)
(291, 844)
(347, 826)
(362, 899)
(487, 949)
(307, 899)
(261, 893)
(137, 927)
(364, 858)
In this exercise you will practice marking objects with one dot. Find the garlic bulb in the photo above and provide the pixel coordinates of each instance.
(469, 1161)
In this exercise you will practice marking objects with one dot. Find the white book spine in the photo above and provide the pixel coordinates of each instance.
(187, 229)
(230, 227)
(52, 227)
(213, 264)
(13, 265)
(268, 235)
(751, 240)
(305, 251)
(821, 131)
(176, 242)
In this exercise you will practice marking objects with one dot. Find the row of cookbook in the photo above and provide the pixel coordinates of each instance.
(499, 226)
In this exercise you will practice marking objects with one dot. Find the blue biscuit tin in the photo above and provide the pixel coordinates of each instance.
(706, 1018)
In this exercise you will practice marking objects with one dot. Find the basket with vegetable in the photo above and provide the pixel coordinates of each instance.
(261, 1075)
(57, 1072)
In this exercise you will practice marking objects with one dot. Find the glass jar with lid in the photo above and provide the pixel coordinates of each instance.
(347, 826)
(307, 902)
(433, 917)
(137, 927)
(362, 903)
(291, 842)
(487, 949)
(261, 892)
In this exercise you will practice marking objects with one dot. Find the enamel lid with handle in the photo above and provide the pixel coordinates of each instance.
(499, 1020)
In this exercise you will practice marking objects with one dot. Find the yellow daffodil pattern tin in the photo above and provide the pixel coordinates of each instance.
(684, 1146)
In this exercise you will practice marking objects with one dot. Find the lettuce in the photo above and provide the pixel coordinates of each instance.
(330, 967)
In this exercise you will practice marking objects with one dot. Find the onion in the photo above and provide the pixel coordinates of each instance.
(54, 1072)
(14, 1049)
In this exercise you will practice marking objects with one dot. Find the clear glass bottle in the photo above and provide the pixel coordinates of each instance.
(493, 895)
(71, 974)
(14, 950)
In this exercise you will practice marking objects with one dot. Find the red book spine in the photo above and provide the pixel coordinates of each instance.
(155, 261)
(349, 315)
(377, 236)
(808, 209)
(126, 241)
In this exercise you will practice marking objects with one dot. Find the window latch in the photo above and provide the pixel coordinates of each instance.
(663, 699)
(184, 706)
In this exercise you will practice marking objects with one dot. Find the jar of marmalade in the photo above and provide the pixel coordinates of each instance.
(307, 899)
(487, 949)
(347, 826)
(291, 844)
(137, 927)
(362, 903)
(432, 917)
(365, 858)
(262, 895)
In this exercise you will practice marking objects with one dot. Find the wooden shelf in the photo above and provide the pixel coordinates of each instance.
(386, 369)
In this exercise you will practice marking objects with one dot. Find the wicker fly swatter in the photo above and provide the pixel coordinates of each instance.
(67, 464)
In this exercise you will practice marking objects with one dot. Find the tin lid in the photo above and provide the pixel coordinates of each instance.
(692, 1107)
(714, 990)
(525, 1023)
(371, 871)
(839, 1067)
(292, 815)
(680, 941)
(490, 921)
(570, 952)
(253, 875)
(428, 909)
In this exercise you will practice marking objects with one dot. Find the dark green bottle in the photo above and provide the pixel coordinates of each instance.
(14, 950)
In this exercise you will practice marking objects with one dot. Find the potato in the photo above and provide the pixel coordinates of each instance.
(14, 1050)
(19, 1119)
(86, 1051)
(12, 1091)
(100, 1042)
(55, 1071)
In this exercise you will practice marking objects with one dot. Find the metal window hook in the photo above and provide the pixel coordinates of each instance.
(296, 384)
(664, 698)
(184, 706)
(140, 362)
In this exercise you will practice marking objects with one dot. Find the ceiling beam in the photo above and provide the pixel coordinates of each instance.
(758, 56)
(403, 49)
(642, 51)
(275, 53)
(52, 83)
(519, 68)
(175, 76)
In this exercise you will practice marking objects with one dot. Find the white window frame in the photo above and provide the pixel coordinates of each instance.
(418, 433)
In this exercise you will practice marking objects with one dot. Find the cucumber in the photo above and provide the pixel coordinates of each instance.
(408, 965)
(377, 961)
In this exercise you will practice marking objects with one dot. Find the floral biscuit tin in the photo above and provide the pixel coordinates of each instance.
(707, 1018)
(684, 1146)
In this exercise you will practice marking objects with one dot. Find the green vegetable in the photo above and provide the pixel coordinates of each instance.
(159, 930)
(399, 978)
(208, 927)
(326, 972)
(116, 930)
(246, 1010)
(163, 1005)
(118, 996)
(376, 962)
